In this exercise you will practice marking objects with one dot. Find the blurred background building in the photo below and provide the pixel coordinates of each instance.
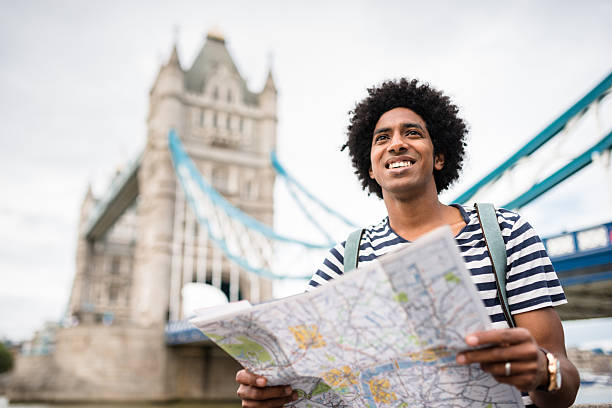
(140, 245)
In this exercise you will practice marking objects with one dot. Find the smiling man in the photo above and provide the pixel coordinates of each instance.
(406, 142)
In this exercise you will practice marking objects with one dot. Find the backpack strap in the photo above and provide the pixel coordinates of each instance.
(351, 250)
(497, 252)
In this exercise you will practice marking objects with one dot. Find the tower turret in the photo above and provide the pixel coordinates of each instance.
(157, 189)
(267, 102)
(268, 95)
(171, 76)
(166, 91)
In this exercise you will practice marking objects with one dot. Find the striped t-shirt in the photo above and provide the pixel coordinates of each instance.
(531, 282)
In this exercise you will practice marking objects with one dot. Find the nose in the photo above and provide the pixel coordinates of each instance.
(398, 144)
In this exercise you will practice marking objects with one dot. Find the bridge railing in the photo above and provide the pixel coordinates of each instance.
(582, 256)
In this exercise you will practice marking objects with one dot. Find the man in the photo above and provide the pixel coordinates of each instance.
(407, 143)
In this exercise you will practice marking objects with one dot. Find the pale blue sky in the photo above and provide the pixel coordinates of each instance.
(75, 78)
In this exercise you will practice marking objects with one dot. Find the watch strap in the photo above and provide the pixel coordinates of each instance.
(553, 369)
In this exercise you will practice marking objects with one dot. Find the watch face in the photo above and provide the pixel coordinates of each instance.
(558, 374)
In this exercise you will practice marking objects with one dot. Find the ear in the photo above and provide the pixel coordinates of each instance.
(438, 162)
(371, 173)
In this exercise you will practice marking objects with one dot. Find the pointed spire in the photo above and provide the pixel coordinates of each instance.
(270, 85)
(88, 203)
(270, 79)
(174, 59)
(89, 193)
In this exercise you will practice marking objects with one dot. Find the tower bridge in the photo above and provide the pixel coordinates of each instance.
(140, 244)
(197, 207)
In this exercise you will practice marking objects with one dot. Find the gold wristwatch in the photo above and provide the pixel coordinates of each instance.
(554, 371)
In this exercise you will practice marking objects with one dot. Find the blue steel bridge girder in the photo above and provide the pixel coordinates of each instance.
(562, 174)
(577, 110)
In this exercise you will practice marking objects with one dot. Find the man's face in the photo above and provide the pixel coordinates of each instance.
(402, 154)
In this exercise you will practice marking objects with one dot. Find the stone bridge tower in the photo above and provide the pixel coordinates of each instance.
(139, 244)
(229, 132)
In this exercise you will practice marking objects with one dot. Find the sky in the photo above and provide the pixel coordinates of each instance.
(75, 78)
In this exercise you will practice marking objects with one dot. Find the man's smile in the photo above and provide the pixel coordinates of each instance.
(399, 162)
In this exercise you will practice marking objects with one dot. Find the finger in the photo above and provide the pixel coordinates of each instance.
(499, 336)
(516, 368)
(522, 351)
(270, 403)
(248, 378)
(249, 392)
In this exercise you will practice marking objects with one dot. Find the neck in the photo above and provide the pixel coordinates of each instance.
(412, 216)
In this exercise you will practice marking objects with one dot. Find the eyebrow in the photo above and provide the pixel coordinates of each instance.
(403, 126)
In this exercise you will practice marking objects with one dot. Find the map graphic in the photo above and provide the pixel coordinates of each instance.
(385, 335)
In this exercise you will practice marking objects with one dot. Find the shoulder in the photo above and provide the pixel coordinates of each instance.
(518, 234)
(510, 222)
(506, 218)
(332, 266)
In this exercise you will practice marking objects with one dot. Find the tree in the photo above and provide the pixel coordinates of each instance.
(6, 358)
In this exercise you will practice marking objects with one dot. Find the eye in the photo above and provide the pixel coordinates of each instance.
(381, 137)
(413, 132)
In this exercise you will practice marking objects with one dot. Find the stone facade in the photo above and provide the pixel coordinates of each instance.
(113, 363)
(102, 284)
(139, 245)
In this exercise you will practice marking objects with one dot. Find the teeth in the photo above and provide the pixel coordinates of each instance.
(400, 164)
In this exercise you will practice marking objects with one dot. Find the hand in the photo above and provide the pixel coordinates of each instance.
(254, 393)
(528, 364)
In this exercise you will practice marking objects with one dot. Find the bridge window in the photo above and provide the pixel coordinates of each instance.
(592, 238)
(215, 119)
(219, 179)
(113, 293)
(228, 122)
(229, 95)
(115, 265)
(249, 190)
(560, 246)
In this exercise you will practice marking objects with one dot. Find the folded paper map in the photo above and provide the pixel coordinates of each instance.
(385, 335)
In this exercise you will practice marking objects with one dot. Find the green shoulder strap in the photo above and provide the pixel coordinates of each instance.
(351, 250)
(497, 253)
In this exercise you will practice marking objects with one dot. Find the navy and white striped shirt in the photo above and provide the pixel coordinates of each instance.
(531, 282)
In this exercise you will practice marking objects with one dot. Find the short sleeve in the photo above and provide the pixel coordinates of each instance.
(331, 268)
(532, 282)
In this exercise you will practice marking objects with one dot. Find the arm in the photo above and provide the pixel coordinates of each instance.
(521, 347)
(254, 393)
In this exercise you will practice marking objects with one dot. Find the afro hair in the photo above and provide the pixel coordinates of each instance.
(447, 130)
